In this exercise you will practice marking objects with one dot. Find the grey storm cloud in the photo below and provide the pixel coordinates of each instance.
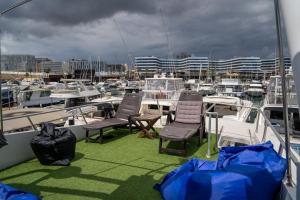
(72, 12)
(114, 29)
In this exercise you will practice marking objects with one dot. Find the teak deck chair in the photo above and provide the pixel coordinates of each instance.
(189, 120)
(128, 108)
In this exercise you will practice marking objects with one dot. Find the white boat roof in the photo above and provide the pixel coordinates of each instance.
(164, 78)
(75, 80)
(35, 89)
(225, 100)
(255, 85)
(228, 81)
(278, 106)
(192, 81)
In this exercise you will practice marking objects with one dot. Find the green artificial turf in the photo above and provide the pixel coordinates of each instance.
(124, 167)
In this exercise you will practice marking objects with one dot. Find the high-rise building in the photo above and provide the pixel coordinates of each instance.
(151, 65)
(53, 67)
(81, 68)
(271, 66)
(238, 65)
(20, 63)
(247, 67)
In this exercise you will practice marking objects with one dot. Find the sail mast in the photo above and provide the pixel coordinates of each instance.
(9, 9)
(283, 88)
(291, 17)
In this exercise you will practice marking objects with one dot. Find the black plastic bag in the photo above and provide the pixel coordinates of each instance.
(54, 146)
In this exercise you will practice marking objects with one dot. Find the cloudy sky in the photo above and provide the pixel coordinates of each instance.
(113, 29)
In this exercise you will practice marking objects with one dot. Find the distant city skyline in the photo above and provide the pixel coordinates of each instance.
(119, 30)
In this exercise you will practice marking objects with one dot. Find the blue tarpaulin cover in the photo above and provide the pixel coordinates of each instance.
(247, 172)
(10, 193)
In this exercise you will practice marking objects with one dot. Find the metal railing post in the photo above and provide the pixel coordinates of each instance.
(217, 130)
(208, 137)
(84, 119)
(280, 150)
(30, 121)
(298, 180)
(265, 132)
(257, 121)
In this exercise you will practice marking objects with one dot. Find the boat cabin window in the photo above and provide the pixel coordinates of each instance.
(75, 102)
(45, 93)
(153, 107)
(171, 85)
(156, 84)
(7, 93)
(28, 96)
(275, 114)
(167, 108)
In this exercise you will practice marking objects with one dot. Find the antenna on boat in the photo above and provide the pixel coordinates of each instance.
(9, 9)
(283, 87)
(170, 53)
(129, 55)
(99, 69)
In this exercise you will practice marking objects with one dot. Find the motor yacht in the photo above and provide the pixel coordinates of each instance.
(36, 97)
(273, 107)
(75, 92)
(255, 89)
(161, 92)
(207, 89)
(231, 87)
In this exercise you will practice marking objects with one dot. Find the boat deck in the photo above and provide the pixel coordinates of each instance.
(124, 167)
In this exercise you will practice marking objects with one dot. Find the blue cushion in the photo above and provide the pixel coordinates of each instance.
(249, 172)
(10, 193)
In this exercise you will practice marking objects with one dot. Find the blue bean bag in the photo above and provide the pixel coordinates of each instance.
(10, 193)
(248, 172)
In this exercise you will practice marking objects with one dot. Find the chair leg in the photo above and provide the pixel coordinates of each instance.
(86, 136)
(184, 147)
(160, 146)
(101, 136)
(130, 127)
(200, 136)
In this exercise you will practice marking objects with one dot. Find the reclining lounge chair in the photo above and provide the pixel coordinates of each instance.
(129, 107)
(189, 120)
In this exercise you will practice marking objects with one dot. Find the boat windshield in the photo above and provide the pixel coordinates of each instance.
(163, 88)
(274, 94)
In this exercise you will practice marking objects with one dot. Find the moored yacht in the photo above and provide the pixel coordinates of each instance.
(273, 104)
(255, 89)
(75, 92)
(231, 87)
(207, 89)
(161, 92)
(36, 97)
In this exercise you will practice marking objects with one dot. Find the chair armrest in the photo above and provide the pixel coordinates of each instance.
(108, 113)
(131, 116)
(169, 115)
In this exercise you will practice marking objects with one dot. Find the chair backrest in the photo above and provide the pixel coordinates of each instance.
(130, 105)
(189, 108)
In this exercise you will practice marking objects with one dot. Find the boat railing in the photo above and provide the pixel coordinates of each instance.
(260, 129)
(70, 111)
(211, 115)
